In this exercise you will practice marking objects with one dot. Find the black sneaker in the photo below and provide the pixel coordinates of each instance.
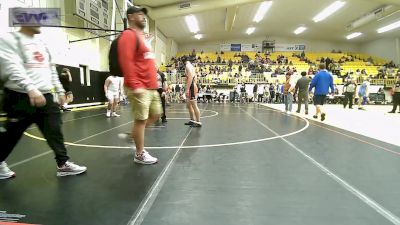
(391, 112)
(322, 116)
(196, 125)
(315, 117)
(189, 123)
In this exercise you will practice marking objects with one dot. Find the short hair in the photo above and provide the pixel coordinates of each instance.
(303, 73)
(322, 66)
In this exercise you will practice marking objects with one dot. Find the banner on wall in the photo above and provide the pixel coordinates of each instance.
(225, 47)
(289, 47)
(236, 47)
(240, 47)
(251, 47)
(34, 17)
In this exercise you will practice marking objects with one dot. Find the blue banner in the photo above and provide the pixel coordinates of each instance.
(236, 47)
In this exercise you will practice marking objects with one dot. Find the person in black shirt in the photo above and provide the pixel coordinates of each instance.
(66, 79)
(162, 88)
(243, 93)
(271, 93)
(396, 95)
(255, 88)
(177, 92)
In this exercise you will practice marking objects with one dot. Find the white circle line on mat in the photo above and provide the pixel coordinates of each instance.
(215, 113)
(188, 146)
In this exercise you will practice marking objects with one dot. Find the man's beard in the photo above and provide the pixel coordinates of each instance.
(141, 25)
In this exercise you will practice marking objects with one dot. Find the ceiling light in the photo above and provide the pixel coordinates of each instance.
(353, 35)
(300, 30)
(389, 27)
(250, 30)
(329, 11)
(192, 24)
(198, 36)
(262, 10)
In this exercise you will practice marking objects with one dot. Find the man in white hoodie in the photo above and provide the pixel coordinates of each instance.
(31, 85)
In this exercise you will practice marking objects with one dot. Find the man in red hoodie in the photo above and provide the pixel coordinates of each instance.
(137, 63)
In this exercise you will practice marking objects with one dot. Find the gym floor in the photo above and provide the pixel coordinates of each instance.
(248, 165)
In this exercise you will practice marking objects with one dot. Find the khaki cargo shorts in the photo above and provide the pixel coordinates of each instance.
(145, 103)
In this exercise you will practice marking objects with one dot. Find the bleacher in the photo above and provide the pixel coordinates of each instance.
(209, 59)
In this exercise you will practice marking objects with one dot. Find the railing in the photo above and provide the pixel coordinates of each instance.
(256, 78)
(231, 81)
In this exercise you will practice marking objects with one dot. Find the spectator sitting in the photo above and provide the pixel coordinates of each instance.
(363, 72)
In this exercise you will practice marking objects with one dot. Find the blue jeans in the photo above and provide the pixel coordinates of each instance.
(288, 99)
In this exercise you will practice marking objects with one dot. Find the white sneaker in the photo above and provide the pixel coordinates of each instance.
(114, 114)
(126, 137)
(5, 172)
(108, 114)
(70, 168)
(145, 158)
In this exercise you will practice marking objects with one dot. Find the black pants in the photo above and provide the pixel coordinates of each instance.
(260, 98)
(163, 116)
(271, 96)
(21, 115)
(348, 98)
(302, 98)
(396, 101)
(278, 98)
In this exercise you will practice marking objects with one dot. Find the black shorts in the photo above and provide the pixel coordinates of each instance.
(192, 93)
(319, 99)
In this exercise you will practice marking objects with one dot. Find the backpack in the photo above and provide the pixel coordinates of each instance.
(113, 62)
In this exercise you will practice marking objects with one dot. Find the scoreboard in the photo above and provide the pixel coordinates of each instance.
(97, 12)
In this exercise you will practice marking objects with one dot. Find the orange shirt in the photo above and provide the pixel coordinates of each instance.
(286, 86)
(137, 65)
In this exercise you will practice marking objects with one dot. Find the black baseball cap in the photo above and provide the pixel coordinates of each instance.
(136, 9)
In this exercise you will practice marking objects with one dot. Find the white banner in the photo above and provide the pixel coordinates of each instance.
(225, 47)
(34, 17)
(257, 47)
(247, 48)
(240, 47)
(289, 47)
